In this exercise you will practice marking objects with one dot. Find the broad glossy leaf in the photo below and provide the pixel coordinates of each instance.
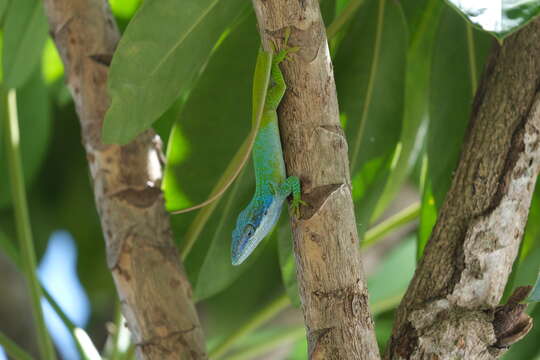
(217, 272)
(162, 51)
(25, 32)
(498, 17)
(261, 81)
(370, 76)
(458, 59)
(35, 128)
(213, 124)
(422, 22)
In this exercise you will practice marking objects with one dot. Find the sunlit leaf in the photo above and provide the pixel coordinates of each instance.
(52, 66)
(428, 216)
(161, 53)
(498, 17)
(124, 8)
(25, 32)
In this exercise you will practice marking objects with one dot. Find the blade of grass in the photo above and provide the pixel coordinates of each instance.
(22, 220)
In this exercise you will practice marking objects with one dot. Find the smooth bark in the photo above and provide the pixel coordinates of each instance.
(450, 309)
(154, 291)
(329, 270)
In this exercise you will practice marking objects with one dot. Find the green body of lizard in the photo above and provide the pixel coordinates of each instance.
(272, 185)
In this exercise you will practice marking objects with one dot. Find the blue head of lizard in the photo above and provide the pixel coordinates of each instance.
(253, 224)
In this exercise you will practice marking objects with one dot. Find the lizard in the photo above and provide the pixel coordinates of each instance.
(272, 186)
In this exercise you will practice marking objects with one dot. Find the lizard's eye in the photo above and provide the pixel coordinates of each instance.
(249, 230)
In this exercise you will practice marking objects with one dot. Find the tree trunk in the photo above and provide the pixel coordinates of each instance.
(329, 270)
(450, 308)
(153, 289)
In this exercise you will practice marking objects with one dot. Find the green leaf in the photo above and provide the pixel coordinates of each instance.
(3, 7)
(534, 296)
(531, 238)
(370, 70)
(217, 272)
(458, 58)
(500, 17)
(124, 8)
(210, 136)
(163, 50)
(428, 217)
(35, 129)
(25, 32)
(423, 22)
(261, 81)
(384, 283)
(52, 66)
(287, 259)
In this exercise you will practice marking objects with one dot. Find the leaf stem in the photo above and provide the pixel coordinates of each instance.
(13, 349)
(410, 213)
(22, 220)
(262, 317)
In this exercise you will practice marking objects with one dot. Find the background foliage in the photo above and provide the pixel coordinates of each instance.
(406, 73)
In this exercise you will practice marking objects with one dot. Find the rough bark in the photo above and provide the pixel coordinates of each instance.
(450, 308)
(329, 270)
(151, 283)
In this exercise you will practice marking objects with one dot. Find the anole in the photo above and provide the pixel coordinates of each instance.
(272, 186)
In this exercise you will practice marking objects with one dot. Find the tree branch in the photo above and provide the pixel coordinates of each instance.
(330, 276)
(450, 307)
(151, 283)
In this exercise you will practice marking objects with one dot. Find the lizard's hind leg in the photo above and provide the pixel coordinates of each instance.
(291, 186)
